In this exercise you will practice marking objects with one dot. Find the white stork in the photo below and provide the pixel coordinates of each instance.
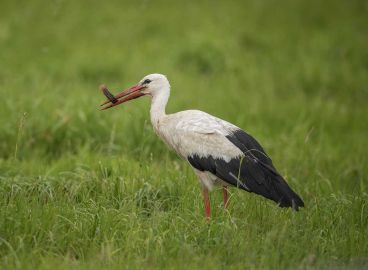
(220, 153)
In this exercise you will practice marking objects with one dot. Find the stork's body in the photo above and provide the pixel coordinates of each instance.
(219, 152)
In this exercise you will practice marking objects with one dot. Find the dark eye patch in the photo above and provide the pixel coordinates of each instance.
(147, 81)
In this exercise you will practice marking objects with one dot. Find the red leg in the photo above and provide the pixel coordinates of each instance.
(224, 189)
(207, 206)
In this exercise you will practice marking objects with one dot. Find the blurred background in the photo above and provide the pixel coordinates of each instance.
(274, 68)
(292, 73)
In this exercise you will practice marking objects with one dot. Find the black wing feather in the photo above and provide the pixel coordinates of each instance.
(254, 172)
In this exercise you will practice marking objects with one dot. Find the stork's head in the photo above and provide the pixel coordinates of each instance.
(151, 85)
(154, 83)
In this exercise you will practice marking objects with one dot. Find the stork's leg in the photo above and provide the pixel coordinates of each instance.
(207, 206)
(224, 190)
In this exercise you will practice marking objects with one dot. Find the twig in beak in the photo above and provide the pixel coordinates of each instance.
(107, 94)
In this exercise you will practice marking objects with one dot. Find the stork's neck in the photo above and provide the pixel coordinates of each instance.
(158, 105)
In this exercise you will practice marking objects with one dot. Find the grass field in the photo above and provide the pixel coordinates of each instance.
(85, 189)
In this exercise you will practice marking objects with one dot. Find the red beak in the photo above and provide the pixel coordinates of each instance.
(126, 95)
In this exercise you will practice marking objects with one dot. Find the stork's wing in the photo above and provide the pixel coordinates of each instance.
(235, 157)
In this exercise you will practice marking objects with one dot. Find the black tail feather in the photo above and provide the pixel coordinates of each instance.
(285, 196)
(258, 173)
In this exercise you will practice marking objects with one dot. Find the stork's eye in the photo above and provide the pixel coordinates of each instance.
(147, 81)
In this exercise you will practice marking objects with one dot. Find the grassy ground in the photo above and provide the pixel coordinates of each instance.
(86, 189)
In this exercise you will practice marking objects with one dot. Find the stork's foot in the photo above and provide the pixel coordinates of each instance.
(225, 193)
(207, 205)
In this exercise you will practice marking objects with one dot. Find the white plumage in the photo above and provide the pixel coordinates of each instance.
(195, 132)
(219, 152)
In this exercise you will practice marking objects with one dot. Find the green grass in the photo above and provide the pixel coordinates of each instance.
(85, 189)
